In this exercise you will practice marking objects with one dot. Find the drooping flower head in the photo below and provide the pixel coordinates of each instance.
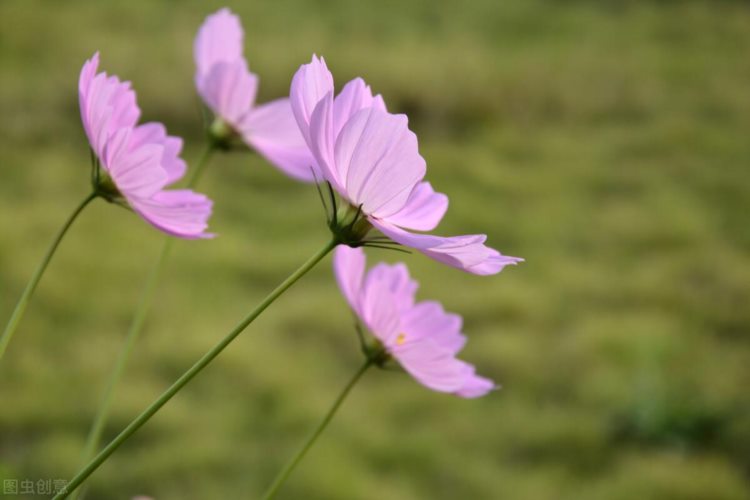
(139, 160)
(421, 336)
(371, 158)
(228, 88)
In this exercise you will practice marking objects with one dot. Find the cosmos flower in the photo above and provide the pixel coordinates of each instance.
(138, 161)
(421, 336)
(228, 88)
(370, 157)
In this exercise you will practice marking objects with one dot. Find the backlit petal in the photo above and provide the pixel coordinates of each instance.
(272, 130)
(378, 156)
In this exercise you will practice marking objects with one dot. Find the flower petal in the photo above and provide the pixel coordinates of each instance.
(229, 89)
(156, 133)
(429, 320)
(310, 84)
(182, 213)
(136, 171)
(272, 130)
(349, 269)
(475, 386)
(386, 292)
(377, 154)
(321, 142)
(468, 252)
(171, 161)
(432, 365)
(395, 278)
(423, 210)
(151, 132)
(354, 96)
(437, 368)
(219, 39)
(106, 104)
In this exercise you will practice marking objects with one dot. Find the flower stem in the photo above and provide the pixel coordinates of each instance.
(15, 318)
(144, 305)
(195, 175)
(186, 377)
(282, 476)
(97, 427)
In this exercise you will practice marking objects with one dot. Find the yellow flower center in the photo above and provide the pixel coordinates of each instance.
(400, 339)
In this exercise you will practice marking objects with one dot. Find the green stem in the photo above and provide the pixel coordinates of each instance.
(97, 427)
(200, 166)
(144, 305)
(15, 318)
(186, 377)
(282, 476)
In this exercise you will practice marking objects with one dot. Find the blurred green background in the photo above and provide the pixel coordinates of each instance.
(604, 141)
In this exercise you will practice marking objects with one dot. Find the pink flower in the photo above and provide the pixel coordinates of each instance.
(229, 88)
(421, 336)
(139, 160)
(371, 159)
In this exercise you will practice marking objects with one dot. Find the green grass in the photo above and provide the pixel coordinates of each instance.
(605, 142)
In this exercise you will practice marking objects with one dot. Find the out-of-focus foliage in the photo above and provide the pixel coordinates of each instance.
(605, 142)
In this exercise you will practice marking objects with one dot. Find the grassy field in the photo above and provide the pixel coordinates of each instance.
(607, 142)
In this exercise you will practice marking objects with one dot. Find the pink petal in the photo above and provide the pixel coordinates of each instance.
(156, 133)
(229, 89)
(438, 369)
(432, 365)
(423, 211)
(151, 132)
(219, 39)
(380, 298)
(468, 253)
(171, 161)
(320, 117)
(311, 97)
(88, 71)
(106, 104)
(321, 141)
(377, 154)
(386, 291)
(354, 96)
(180, 213)
(272, 130)
(379, 103)
(125, 111)
(429, 320)
(475, 386)
(494, 263)
(136, 171)
(310, 84)
(349, 269)
(397, 282)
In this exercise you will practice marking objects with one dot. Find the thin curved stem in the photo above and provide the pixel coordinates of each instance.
(144, 305)
(282, 476)
(15, 318)
(186, 377)
(195, 175)
(102, 414)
